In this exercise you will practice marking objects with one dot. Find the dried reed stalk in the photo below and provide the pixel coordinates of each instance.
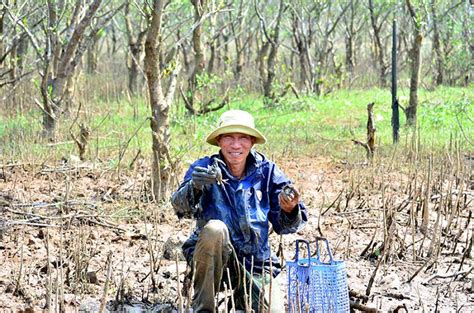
(106, 284)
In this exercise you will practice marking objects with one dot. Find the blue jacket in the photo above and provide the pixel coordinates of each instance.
(246, 206)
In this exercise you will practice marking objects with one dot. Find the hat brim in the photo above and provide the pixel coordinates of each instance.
(227, 129)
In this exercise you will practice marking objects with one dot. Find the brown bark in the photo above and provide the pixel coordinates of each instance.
(215, 34)
(379, 48)
(237, 32)
(159, 104)
(56, 85)
(2, 43)
(415, 66)
(273, 38)
(370, 144)
(301, 42)
(60, 65)
(261, 55)
(92, 57)
(325, 47)
(352, 29)
(437, 53)
(199, 63)
(136, 51)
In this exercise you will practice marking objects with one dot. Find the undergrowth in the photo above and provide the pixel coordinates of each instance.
(308, 125)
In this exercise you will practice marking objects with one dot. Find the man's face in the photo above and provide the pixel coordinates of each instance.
(235, 147)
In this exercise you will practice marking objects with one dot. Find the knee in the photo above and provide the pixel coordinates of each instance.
(214, 239)
(215, 229)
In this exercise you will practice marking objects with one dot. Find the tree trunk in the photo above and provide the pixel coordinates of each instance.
(92, 56)
(437, 54)
(159, 105)
(60, 67)
(303, 53)
(414, 79)
(199, 63)
(135, 59)
(379, 48)
(21, 52)
(274, 39)
(135, 55)
(2, 42)
(415, 66)
(350, 55)
(214, 34)
(212, 57)
(237, 28)
(349, 40)
(261, 55)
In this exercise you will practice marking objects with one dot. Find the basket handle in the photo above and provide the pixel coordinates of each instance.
(298, 241)
(327, 247)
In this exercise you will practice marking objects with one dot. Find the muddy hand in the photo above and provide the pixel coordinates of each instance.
(202, 176)
(288, 198)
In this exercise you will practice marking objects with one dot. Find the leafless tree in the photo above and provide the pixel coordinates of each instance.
(65, 40)
(353, 22)
(378, 19)
(302, 30)
(238, 28)
(442, 24)
(272, 37)
(13, 44)
(201, 98)
(415, 61)
(160, 101)
(136, 34)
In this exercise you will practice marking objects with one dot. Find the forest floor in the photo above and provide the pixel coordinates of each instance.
(77, 215)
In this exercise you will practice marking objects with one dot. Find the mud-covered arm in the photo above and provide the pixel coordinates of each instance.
(291, 222)
(283, 222)
(185, 200)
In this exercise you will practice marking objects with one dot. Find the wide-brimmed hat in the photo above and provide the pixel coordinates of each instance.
(235, 121)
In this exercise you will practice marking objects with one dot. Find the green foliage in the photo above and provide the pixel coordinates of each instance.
(326, 125)
(101, 33)
(314, 126)
(206, 79)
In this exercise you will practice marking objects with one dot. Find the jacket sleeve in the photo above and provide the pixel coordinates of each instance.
(283, 223)
(186, 200)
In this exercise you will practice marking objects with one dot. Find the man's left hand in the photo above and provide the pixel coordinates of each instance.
(289, 200)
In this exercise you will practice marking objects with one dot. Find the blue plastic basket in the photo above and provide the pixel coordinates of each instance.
(316, 286)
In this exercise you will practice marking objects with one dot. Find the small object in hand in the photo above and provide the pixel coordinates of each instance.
(214, 168)
(288, 192)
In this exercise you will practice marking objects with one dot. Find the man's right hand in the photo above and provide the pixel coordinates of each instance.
(202, 176)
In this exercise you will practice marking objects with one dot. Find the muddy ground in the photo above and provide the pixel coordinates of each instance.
(77, 215)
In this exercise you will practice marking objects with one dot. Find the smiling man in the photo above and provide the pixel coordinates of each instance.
(235, 196)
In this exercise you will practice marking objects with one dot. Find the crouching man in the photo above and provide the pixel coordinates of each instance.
(234, 196)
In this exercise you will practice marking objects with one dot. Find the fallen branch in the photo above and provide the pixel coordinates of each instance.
(397, 296)
(437, 275)
(334, 202)
(363, 253)
(419, 270)
(363, 308)
(355, 294)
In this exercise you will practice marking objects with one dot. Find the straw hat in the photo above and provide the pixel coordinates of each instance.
(235, 121)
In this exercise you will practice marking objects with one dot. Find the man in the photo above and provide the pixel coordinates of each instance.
(235, 195)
